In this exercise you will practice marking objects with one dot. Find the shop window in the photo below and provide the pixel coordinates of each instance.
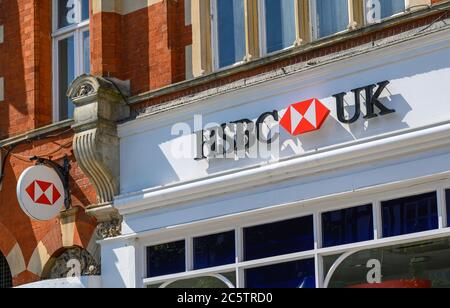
(421, 264)
(347, 226)
(166, 259)
(410, 215)
(331, 16)
(377, 10)
(279, 238)
(229, 26)
(5, 273)
(214, 250)
(278, 20)
(71, 55)
(298, 274)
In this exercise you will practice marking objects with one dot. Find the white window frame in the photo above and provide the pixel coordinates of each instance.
(260, 217)
(313, 19)
(262, 31)
(386, 18)
(215, 41)
(77, 31)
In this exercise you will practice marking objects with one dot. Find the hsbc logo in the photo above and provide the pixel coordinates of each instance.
(43, 193)
(260, 138)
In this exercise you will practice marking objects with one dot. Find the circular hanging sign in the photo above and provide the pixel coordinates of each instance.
(41, 193)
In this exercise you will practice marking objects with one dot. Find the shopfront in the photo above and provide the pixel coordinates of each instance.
(340, 178)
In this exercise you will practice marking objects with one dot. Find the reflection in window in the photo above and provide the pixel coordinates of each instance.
(279, 238)
(415, 265)
(410, 215)
(386, 8)
(222, 281)
(332, 16)
(166, 259)
(230, 32)
(66, 64)
(298, 274)
(280, 24)
(85, 10)
(347, 226)
(214, 250)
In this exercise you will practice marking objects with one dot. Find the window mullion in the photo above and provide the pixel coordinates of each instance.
(302, 22)
(251, 30)
(356, 13)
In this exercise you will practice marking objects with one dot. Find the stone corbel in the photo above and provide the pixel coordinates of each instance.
(99, 104)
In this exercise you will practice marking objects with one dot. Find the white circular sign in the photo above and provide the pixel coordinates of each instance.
(40, 192)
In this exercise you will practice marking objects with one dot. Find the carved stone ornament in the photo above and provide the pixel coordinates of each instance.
(74, 262)
(99, 104)
(109, 229)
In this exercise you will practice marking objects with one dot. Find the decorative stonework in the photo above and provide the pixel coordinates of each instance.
(65, 265)
(109, 229)
(99, 105)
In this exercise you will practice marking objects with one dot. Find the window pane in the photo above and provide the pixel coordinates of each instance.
(280, 24)
(447, 197)
(66, 53)
(5, 273)
(166, 259)
(391, 7)
(231, 31)
(206, 282)
(67, 13)
(410, 215)
(347, 226)
(86, 53)
(214, 250)
(279, 238)
(85, 10)
(332, 16)
(299, 274)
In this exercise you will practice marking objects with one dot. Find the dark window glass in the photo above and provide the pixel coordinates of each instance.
(279, 238)
(67, 13)
(298, 274)
(214, 250)
(230, 31)
(280, 24)
(5, 273)
(85, 10)
(347, 226)
(166, 259)
(410, 215)
(66, 53)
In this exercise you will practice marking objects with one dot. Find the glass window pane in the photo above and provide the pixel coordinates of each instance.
(347, 226)
(67, 13)
(5, 273)
(214, 250)
(230, 31)
(332, 16)
(280, 24)
(166, 259)
(220, 282)
(86, 53)
(410, 215)
(391, 7)
(279, 238)
(66, 54)
(85, 10)
(298, 274)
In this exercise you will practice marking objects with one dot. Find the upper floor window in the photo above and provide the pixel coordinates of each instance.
(277, 24)
(330, 17)
(229, 29)
(377, 10)
(71, 51)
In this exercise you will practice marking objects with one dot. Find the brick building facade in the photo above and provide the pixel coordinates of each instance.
(143, 54)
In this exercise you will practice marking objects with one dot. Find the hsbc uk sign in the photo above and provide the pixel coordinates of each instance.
(247, 138)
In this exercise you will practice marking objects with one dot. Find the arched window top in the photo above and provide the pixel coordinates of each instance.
(5, 273)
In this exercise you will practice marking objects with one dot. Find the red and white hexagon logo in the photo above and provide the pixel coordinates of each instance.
(40, 193)
(304, 117)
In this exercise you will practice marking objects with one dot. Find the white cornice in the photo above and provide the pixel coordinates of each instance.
(368, 151)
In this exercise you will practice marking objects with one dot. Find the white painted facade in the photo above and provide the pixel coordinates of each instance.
(165, 199)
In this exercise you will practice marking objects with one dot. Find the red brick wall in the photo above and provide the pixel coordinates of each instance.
(145, 47)
(28, 233)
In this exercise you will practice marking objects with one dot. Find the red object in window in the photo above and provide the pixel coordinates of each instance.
(397, 284)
